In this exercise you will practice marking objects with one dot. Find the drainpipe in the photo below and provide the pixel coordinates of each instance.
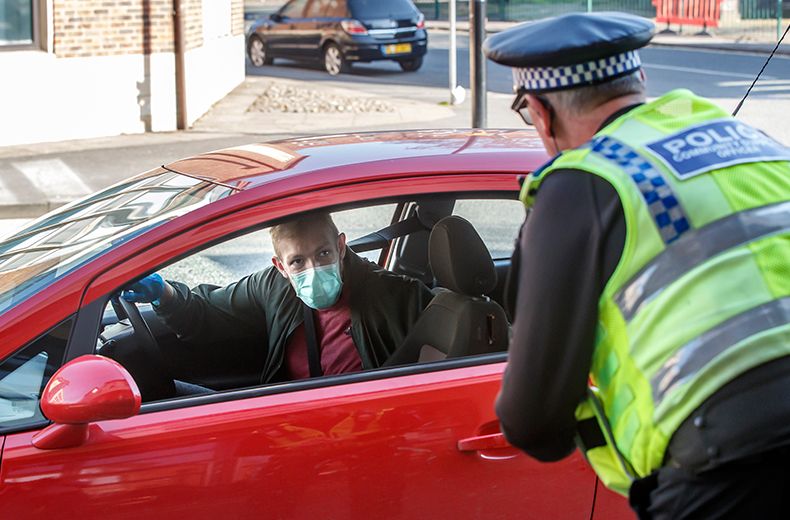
(179, 47)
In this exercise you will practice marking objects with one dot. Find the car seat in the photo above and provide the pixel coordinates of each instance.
(460, 320)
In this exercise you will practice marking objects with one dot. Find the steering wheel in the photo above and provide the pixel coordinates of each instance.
(142, 332)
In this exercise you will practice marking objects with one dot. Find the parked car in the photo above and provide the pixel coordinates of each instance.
(85, 432)
(341, 32)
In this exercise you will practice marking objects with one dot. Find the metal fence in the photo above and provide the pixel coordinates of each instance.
(744, 20)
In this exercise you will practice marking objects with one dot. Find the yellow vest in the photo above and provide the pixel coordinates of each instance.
(702, 290)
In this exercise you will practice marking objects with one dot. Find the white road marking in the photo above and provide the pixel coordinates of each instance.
(704, 71)
(6, 197)
(54, 178)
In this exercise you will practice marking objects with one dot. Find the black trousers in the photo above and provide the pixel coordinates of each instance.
(755, 487)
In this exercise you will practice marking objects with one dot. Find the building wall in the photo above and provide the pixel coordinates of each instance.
(108, 68)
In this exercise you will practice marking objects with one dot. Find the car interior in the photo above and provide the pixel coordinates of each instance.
(426, 238)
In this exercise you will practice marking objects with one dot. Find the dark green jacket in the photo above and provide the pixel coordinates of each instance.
(384, 306)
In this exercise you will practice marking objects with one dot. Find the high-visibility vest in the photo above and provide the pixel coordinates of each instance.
(701, 293)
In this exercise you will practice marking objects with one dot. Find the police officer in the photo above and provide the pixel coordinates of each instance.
(652, 319)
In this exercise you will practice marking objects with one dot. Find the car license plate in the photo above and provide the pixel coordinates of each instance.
(397, 48)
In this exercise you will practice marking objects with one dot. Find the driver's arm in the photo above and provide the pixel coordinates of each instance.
(209, 313)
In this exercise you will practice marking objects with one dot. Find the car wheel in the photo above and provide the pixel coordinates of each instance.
(410, 65)
(259, 55)
(334, 61)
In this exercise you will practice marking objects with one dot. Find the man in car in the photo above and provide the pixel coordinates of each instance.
(319, 310)
(654, 263)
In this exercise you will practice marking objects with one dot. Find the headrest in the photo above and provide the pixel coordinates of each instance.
(459, 259)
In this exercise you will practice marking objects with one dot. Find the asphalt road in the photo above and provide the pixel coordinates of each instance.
(709, 73)
(721, 75)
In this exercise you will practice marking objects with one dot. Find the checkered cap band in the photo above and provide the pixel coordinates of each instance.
(536, 79)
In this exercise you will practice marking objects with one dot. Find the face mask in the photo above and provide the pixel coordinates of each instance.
(319, 287)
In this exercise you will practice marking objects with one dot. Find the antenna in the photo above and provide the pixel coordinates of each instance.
(760, 73)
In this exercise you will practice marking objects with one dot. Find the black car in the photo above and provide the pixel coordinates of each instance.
(341, 32)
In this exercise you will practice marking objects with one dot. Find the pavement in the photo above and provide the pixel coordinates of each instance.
(48, 185)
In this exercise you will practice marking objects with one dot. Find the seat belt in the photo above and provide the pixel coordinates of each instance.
(379, 239)
(313, 354)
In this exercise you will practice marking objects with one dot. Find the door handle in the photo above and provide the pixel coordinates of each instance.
(483, 442)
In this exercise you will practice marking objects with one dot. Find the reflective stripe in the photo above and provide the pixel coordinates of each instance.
(699, 352)
(667, 212)
(696, 247)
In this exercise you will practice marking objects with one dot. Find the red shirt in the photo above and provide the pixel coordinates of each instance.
(333, 332)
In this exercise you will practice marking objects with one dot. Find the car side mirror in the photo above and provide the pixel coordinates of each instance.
(85, 390)
(276, 17)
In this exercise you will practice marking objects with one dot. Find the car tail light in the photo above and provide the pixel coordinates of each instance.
(421, 21)
(353, 27)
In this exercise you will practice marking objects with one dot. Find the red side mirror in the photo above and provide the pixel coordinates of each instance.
(85, 390)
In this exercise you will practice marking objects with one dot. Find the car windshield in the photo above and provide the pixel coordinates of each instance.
(56, 244)
(371, 9)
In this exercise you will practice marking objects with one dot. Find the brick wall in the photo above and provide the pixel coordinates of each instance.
(193, 22)
(112, 27)
(238, 17)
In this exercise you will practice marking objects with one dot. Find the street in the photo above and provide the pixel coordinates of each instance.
(27, 188)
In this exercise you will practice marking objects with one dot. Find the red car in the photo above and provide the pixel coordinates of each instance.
(419, 440)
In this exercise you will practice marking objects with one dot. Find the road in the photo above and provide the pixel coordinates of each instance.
(26, 174)
(724, 76)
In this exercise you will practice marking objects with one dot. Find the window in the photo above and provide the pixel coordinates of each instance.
(24, 375)
(496, 221)
(391, 9)
(315, 9)
(220, 342)
(325, 9)
(18, 19)
(294, 9)
(335, 9)
(226, 262)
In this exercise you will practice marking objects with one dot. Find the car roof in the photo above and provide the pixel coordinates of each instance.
(362, 156)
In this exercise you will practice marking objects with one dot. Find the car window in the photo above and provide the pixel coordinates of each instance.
(230, 351)
(24, 375)
(315, 9)
(294, 9)
(227, 262)
(335, 9)
(496, 221)
(374, 9)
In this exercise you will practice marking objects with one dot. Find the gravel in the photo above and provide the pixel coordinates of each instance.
(291, 99)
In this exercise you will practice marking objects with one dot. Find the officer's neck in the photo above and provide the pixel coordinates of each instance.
(580, 129)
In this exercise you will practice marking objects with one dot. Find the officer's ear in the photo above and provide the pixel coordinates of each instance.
(542, 115)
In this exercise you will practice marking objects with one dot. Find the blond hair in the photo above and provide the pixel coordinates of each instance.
(296, 227)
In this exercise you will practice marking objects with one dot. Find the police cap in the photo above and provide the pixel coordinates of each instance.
(571, 50)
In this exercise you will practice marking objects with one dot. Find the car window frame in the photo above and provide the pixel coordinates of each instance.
(89, 318)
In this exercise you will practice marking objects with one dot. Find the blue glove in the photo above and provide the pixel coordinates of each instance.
(145, 290)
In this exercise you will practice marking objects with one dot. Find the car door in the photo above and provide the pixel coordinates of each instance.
(406, 442)
(384, 448)
(311, 29)
(285, 35)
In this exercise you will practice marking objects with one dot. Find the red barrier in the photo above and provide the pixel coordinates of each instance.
(688, 12)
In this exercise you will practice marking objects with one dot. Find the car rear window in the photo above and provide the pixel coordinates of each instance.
(373, 9)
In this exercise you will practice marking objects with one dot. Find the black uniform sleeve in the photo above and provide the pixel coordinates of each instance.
(568, 248)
